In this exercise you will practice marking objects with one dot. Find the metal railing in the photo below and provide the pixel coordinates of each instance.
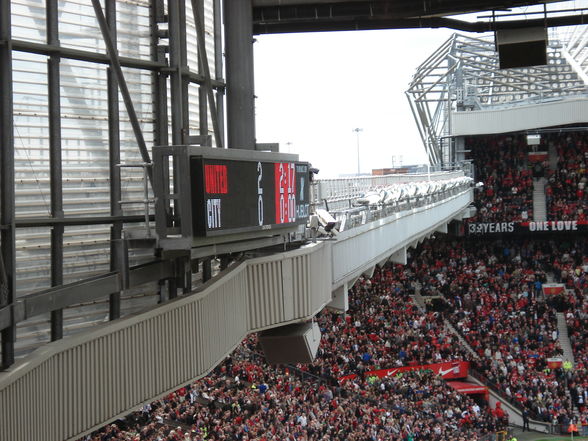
(337, 189)
(339, 193)
(349, 216)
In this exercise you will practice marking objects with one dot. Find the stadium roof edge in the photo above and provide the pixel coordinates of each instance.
(286, 16)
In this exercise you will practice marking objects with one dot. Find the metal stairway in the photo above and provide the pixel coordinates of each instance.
(539, 203)
(419, 300)
(553, 157)
(564, 339)
(462, 341)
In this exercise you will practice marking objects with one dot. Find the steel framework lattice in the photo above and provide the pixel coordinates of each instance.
(464, 75)
(88, 87)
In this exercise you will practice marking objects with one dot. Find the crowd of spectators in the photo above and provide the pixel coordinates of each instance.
(429, 409)
(501, 165)
(565, 191)
(383, 328)
(492, 294)
(244, 399)
(571, 269)
(577, 317)
(494, 297)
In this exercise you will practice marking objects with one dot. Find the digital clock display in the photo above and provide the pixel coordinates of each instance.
(231, 196)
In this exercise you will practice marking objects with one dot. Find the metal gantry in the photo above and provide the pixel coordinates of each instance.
(464, 75)
(87, 88)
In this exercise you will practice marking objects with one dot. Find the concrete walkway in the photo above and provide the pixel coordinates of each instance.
(532, 436)
(539, 201)
(564, 339)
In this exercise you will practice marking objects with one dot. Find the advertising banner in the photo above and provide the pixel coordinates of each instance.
(553, 288)
(487, 228)
(538, 156)
(469, 388)
(554, 362)
(448, 370)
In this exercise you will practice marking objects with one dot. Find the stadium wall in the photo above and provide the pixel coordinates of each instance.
(513, 119)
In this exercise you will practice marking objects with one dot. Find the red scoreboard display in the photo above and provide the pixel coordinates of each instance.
(233, 196)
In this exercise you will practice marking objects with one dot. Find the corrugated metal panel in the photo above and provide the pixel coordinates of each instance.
(265, 303)
(301, 284)
(546, 114)
(231, 299)
(313, 280)
(321, 281)
(78, 384)
(290, 286)
(288, 293)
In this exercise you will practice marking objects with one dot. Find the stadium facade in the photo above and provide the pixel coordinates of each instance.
(77, 152)
(460, 90)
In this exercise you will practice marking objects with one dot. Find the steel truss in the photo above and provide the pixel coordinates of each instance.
(66, 69)
(464, 75)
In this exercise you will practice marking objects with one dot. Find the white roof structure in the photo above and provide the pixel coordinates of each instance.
(460, 90)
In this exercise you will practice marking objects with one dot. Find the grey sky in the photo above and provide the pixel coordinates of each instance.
(314, 89)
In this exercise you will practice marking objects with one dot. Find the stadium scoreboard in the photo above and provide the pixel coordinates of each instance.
(234, 195)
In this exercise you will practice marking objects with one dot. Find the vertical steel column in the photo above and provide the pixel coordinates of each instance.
(239, 62)
(224, 262)
(184, 262)
(202, 93)
(206, 269)
(159, 89)
(183, 73)
(113, 160)
(175, 60)
(55, 171)
(157, 15)
(172, 284)
(203, 60)
(187, 273)
(177, 110)
(218, 69)
(7, 235)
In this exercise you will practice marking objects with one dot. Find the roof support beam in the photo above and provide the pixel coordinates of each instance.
(358, 23)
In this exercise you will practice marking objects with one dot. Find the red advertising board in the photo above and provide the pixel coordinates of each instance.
(554, 362)
(553, 288)
(448, 370)
(469, 388)
(538, 156)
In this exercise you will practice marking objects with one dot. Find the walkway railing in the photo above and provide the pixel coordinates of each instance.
(333, 192)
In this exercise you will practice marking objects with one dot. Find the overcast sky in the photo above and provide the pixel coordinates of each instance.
(314, 89)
